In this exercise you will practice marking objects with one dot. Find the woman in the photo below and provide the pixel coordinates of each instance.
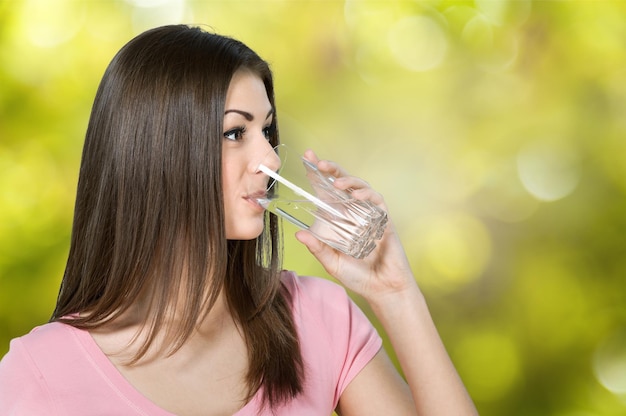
(173, 301)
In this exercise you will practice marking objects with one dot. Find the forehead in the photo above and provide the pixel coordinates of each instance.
(247, 88)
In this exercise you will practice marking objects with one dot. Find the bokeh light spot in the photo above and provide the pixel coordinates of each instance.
(501, 12)
(609, 362)
(548, 171)
(49, 24)
(503, 197)
(452, 250)
(457, 17)
(477, 34)
(493, 48)
(418, 43)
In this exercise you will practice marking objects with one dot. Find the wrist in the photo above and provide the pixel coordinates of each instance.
(395, 303)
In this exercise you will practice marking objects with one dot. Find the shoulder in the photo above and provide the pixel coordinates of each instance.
(23, 382)
(44, 340)
(49, 334)
(311, 288)
(320, 305)
(319, 299)
(45, 343)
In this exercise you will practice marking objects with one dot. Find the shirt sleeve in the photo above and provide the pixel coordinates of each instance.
(23, 392)
(362, 342)
(334, 324)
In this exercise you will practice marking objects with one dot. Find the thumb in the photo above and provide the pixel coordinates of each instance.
(322, 252)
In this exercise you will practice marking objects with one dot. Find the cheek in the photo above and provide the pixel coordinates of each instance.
(227, 178)
(231, 183)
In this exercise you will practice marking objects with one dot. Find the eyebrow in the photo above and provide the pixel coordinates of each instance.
(247, 115)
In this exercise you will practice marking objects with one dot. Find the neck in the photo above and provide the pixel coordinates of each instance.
(130, 330)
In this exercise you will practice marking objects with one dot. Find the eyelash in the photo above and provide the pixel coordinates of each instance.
(268, 131)
(237, 133)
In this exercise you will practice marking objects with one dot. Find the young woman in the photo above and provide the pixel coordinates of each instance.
(173, 301)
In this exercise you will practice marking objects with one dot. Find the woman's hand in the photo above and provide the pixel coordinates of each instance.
(385, 280)
(385, 271)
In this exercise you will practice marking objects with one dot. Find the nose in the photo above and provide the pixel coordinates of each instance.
(270, 156)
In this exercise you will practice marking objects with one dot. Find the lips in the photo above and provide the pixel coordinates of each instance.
(254, 198)
(256, 195)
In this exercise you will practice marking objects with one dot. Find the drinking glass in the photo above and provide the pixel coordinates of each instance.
(307, 198)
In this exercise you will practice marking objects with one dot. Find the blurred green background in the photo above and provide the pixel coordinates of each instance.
(495, 130)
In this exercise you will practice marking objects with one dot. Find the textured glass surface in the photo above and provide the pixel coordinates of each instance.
(332, 215)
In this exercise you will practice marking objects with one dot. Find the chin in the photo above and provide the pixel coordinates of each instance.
(245, 233)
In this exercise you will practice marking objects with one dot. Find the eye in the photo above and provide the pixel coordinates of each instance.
(268, 131)
(235, 134)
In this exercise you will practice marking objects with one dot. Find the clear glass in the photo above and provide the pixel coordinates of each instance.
(307, 198)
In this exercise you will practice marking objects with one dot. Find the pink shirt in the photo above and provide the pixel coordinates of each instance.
(59, 370)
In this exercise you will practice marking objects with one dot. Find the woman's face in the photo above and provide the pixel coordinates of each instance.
(248, 122)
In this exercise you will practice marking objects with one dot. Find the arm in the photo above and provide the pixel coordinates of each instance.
(384, 279)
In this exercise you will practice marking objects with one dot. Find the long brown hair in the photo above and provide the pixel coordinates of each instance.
(149, 217)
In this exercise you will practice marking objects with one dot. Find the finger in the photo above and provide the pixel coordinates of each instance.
(311, 156)
(314, 245)
(359, 188)
(332, 168)
(325, 254)
(325, 166)
(351, 182)
(368, 194)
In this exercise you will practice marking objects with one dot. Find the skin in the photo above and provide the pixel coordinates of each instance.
(247, 120)
(213, 359)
